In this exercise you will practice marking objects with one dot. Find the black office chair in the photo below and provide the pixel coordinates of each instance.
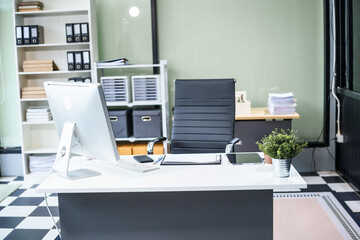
(204, 117)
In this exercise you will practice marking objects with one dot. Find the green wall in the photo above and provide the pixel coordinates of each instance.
(9, 110)
(267, 45)
(120, 35)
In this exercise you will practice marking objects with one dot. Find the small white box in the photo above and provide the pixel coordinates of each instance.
(242, 108)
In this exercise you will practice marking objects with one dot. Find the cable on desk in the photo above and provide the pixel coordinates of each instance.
(47, 206)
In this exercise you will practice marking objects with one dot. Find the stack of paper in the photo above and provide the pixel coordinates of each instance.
(38, 114)
(39, 66)
(114, 62)
(30, 6)
(41, 163)
(281, 103)
(33, 92)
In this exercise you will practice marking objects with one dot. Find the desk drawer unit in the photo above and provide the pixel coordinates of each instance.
(145, 88)
(116, 89)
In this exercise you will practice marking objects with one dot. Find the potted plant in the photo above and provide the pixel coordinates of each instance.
(281, 147)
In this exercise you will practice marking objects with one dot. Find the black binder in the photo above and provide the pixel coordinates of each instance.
(71, 61)
(37, 34)
(26, 35)
(77, 32)
(19, 35)
(69, 32)
(72, 79)
(87, 79)
(86, 60)
(78, 60)
(84, 32)
(79, 79)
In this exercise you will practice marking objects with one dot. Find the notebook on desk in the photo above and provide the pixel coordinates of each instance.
(191, 159)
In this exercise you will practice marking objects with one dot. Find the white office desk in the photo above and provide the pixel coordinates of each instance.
(172, 178)
(174, 202)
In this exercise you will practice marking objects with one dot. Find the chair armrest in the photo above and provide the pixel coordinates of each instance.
(230, 146)
(150, 146)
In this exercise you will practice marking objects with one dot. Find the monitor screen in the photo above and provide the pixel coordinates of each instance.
(83, 104)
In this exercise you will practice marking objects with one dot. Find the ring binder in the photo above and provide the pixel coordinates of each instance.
(26, 35)
(86, 60)
(69, 33)
(78, 61)
(84, 32)
(37, 33)
(77, 32)
(19, 35)
(70, 60)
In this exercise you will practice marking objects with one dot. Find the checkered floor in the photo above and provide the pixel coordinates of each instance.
(23, 215)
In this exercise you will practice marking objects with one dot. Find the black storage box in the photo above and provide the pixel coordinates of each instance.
(147, 123)
(121, 123)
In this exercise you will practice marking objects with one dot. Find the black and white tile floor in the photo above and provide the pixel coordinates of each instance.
(23, 215)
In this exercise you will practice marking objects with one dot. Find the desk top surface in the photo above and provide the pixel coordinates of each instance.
(172, 178)
(263, 114)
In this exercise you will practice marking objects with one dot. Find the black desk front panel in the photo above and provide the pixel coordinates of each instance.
(250, 131)
(206, 215)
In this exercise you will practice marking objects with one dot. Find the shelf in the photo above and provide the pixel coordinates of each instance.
(55, 72)
(117, 104)
(130, 66)
(53, 13)
(37, 123)
(133, 139)
(60, 46)
(33, 99)
(40, 151)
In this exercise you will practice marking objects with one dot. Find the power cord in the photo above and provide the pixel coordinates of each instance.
(339, 136)
(47, 206)
(327, 148)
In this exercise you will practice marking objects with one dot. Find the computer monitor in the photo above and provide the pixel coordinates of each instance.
(82, 120)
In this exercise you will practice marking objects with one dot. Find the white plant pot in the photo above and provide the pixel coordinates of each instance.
(281, 167)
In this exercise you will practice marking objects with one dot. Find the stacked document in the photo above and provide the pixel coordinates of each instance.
(33, 92)
(114, 62)
(38, 114)
(30, 6)
(281, 103)
(39, 66)
(41, 163)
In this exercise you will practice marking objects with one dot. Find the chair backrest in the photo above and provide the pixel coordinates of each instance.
(204, 115)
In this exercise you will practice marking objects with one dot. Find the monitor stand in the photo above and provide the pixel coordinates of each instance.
(64, 154)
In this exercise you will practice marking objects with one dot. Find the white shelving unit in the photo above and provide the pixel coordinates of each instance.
(39, 137)
(164, 96)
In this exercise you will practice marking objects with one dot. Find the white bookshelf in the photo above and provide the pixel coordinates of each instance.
(41, 137)
(61, 46)
(61, 12)
(163, 104)
(56, 72)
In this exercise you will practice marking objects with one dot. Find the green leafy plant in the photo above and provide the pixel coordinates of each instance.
(281, 145)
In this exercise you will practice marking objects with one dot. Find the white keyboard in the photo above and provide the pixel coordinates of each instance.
(136, 166)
